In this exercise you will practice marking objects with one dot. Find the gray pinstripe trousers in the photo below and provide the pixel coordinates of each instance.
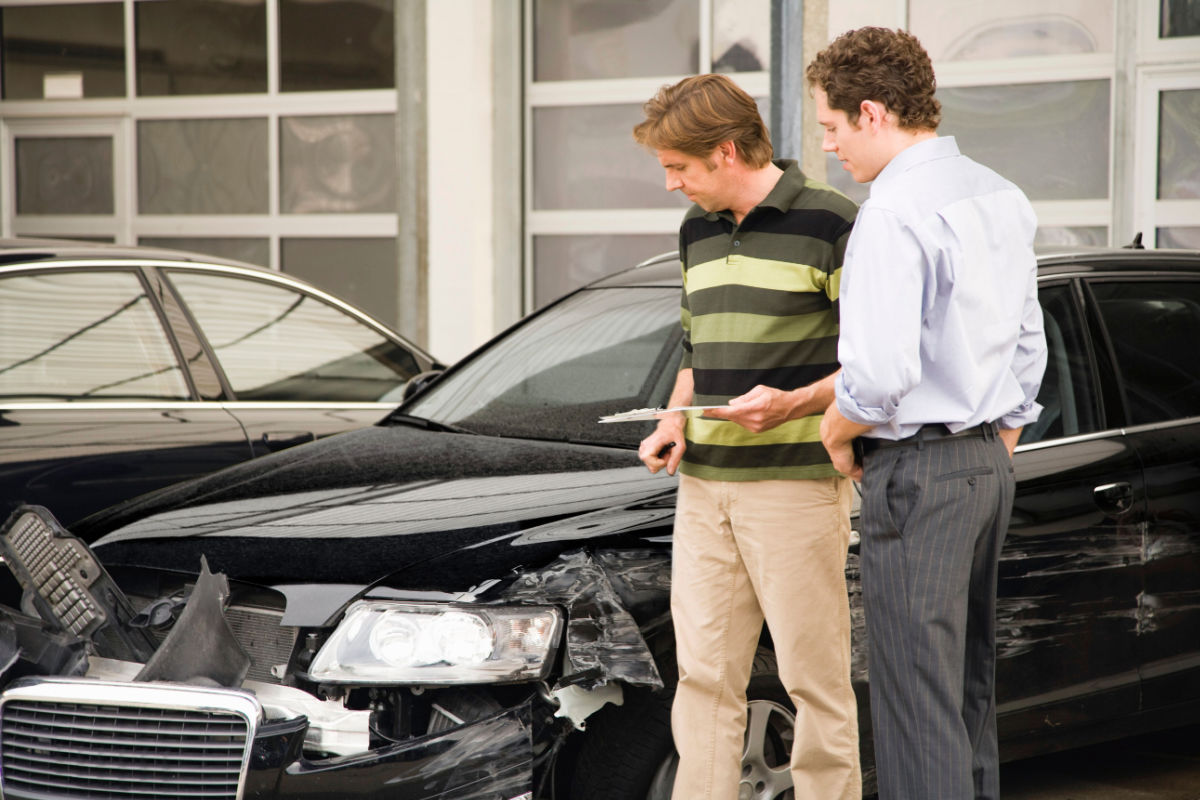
(933, 521)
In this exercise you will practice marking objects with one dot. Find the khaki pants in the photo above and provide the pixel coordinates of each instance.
(744, 551)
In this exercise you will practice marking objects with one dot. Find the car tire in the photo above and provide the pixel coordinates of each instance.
(628, 753)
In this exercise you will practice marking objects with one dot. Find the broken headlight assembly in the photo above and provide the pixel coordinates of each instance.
(438, 644)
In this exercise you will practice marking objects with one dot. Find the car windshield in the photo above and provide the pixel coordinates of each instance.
(598, 352)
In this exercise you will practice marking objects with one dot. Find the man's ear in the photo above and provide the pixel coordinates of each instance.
(727, 151)
(872, 113)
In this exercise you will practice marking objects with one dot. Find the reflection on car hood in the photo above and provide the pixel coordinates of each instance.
(356, 507)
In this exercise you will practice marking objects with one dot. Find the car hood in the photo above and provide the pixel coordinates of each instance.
(413, 508)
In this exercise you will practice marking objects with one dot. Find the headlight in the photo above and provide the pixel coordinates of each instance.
(438, 643)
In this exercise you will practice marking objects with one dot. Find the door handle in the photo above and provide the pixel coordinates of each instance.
(281, 440)
(1115, 498)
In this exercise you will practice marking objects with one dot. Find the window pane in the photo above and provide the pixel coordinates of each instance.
(585, 157)
(85, 38)
(1180, 18)
(359, 271)
(83, 336)
(341, 44)
(1187, 238)
(741, 34)
(249, 250)
(1067, 396)
(276, 344)
(969, 29)
(1071, 236)
(69, 175)
(1062, 128)
(582, 39)
(338, 164)
(206, 166)
(1155, 331)
(201, 47)
(564, 263)
(1179, 145)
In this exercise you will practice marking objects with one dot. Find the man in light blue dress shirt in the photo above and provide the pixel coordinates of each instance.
(942, 353)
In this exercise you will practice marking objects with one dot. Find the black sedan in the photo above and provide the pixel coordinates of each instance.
(470, 599)
(125, 369)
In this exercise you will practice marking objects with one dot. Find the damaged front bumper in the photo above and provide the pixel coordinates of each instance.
(64, 736)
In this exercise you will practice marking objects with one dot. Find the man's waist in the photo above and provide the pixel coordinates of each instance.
(929, 434)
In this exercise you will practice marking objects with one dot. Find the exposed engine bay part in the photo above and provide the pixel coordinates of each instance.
(604, 642)
(69, 587)
(577, 704)
(200, 649)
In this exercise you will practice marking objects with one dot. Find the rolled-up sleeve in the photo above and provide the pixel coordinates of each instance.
(881, 301)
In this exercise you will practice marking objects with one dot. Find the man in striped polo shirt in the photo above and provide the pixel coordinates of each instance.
(762, 525)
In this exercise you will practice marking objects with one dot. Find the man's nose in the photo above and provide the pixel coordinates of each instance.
(673, 182)
(827, 143)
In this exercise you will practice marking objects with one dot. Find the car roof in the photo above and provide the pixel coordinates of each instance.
(664, 269)
(29, 251)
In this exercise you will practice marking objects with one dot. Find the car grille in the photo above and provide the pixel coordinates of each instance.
(92, 739)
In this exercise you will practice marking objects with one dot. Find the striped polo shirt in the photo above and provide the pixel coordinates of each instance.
(760, 306)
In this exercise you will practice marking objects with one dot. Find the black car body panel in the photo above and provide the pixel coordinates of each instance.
(519, 500)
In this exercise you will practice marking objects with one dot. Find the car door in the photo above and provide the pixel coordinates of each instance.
(299, 366)
(1153, 324)
(94, 404)
(1070, 572)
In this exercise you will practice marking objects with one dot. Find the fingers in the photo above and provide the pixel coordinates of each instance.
(659, 450)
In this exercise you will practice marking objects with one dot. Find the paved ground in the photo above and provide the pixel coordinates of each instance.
(1161, 766)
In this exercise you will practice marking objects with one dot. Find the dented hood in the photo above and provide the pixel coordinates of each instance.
(433, 509)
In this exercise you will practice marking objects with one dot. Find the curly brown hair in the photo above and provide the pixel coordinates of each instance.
(890, 67)
(699, 113)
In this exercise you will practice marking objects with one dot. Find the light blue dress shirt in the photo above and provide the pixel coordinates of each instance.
(940, 321)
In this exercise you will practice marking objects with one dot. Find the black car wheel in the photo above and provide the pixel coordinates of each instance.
(628, 753)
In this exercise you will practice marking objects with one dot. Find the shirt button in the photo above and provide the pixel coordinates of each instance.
(737, 242)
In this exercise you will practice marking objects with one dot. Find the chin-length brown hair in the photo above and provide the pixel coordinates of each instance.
(889, 67)
(699, 113)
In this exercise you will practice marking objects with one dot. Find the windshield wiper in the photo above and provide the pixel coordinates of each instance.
(422, 422)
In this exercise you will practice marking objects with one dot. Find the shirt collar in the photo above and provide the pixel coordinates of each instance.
(914, 155)
(782, 196)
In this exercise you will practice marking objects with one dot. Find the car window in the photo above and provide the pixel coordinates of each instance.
(598, 352)
(1068, 395)
(1154, 327)
(83, 336)
(278, 344)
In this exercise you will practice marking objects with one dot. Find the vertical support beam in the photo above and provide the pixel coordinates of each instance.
(412, 245)
(508, 166)
(1125, 106)
(799, 30)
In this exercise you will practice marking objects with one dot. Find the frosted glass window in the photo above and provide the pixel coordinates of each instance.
(1179, 145)
(585, 157)
(205, 166)
(1184, 237)
(201, 47)
(249, 250)
(1050, 139)
(339, 44)
(87, 39)
(360, 271)
(1071, 236)
(83, 336)
(68, 175)
(583, 39)
(564, 263)
(1179, 18)
(741, 35)
(961, 30)
(338, 164)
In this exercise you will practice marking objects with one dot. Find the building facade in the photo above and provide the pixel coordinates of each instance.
(453, 164)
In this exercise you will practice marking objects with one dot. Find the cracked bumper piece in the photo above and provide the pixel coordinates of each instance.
(242, 756)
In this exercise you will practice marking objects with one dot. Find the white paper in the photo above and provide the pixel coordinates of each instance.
(638, 414)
